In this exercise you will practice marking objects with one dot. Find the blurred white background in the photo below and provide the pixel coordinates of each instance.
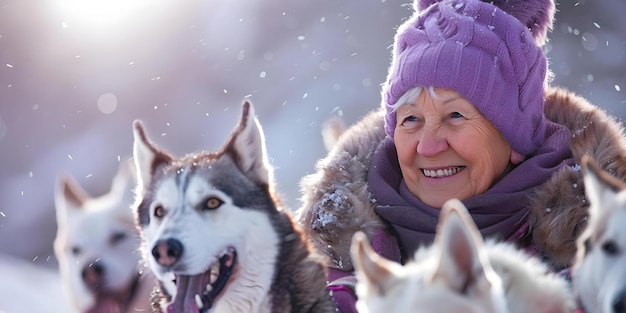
(74, 74)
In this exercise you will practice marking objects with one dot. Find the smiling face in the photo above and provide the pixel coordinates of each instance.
(448, 149)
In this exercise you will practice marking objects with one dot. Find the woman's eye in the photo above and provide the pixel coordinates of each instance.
(456, 115)
(409, 120)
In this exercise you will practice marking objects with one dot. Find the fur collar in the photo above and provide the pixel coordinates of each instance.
(559, 211)
(336, 202)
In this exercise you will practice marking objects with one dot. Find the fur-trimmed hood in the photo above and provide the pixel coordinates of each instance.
(336, 202)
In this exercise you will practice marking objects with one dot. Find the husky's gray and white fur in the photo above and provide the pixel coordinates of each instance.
(97, 246)
(215, 234)
(458, 273)
(599, 272)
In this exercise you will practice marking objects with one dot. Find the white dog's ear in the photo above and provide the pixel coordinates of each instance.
(124, 179)
(373, 272)
(247, 147)
(147, 157)
(599, 185)
(460, 261)
(69, 197)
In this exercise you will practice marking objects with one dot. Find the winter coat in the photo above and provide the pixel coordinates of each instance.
(337, 203)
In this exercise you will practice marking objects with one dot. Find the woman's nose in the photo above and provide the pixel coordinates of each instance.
(431, 143)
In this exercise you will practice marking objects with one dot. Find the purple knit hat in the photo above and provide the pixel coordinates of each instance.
(488, 52)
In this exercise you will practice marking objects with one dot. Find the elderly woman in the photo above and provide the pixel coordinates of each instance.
(467, 113)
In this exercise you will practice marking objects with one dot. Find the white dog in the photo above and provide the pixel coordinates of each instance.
(97, 246)
(599, 272)
(458, 273)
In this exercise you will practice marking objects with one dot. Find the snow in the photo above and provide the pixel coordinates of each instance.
(29, 288)
(323, 219)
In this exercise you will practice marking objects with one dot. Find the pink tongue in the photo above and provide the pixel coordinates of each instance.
(106, 305)
(187, 287)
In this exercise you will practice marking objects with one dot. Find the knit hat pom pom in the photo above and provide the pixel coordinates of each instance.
(537, 15)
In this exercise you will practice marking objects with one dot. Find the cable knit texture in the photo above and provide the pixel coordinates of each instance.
(486, 54)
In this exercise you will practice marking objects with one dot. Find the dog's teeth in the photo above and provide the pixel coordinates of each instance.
(215, 271)
(169, 276)
(199, 302)
(209, 288)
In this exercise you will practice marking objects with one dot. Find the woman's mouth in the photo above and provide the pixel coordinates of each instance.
(442, 172)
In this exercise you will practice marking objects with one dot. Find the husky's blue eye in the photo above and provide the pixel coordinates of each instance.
(213, 203)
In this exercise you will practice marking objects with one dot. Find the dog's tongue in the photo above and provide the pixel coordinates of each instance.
(107, 305)
(187, 287)
(113, 301)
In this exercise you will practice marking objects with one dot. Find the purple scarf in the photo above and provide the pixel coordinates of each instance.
(500, 212)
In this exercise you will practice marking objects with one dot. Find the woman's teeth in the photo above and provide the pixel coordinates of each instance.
(441, 172)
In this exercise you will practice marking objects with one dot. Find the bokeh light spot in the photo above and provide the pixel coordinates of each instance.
(325, 66)
(107, 103)
(589, 41)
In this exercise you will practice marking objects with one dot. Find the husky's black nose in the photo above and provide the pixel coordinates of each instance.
(167, 251)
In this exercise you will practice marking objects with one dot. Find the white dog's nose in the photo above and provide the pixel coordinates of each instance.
(93, 275)
(167, 251)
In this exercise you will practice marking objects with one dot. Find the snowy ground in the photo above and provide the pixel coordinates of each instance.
(27, 288)
(70, 87)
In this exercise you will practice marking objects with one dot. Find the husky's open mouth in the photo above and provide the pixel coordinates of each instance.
(114, 301)
(196, 293)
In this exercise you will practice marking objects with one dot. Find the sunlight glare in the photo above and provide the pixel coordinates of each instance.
(102, 14)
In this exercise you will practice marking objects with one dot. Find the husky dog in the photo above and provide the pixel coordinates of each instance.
(97, 246)
(215, 234)
(458, 273)
(599, 271)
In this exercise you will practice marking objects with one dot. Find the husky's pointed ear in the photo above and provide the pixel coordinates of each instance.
(69, 196)
(460, 261)
(598, 183)
(247, 146)
(373, 270)
(147, 157)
